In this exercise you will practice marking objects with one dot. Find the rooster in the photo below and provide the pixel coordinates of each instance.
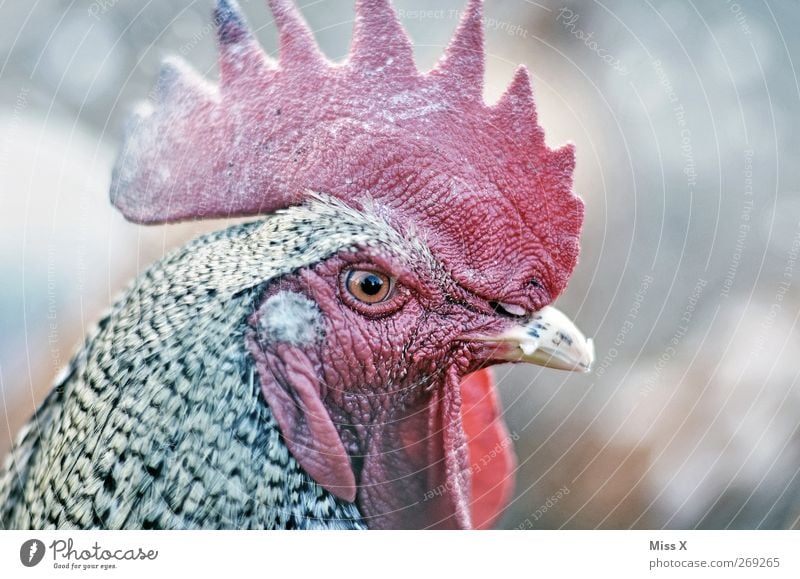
(326, 365)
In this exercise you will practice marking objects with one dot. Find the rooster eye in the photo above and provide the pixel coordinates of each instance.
(369, 287)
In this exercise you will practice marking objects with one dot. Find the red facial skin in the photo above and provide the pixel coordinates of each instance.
(386, 427)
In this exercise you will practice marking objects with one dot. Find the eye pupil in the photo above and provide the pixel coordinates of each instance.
(371, 284)
(369, 287)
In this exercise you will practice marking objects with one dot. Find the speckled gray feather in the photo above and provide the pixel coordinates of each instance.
(159, 421)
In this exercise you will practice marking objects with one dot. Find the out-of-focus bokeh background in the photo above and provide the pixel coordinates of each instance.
(686, 119)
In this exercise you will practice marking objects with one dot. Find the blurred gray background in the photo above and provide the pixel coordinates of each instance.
(685, 118)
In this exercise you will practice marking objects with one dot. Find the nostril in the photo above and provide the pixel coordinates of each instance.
(512, 310)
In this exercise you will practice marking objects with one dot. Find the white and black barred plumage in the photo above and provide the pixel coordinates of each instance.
(160, 422)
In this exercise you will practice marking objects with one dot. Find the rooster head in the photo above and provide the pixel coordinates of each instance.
(436, 231)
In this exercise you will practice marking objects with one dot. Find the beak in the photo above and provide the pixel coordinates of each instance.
(549, 339)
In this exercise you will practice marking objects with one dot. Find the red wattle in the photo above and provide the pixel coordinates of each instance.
(491, 453)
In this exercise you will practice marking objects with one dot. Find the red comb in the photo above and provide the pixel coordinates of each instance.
(479, 179)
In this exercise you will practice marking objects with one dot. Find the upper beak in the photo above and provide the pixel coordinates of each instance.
(549, 339)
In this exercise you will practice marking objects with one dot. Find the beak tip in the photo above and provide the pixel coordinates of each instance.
(586, 367)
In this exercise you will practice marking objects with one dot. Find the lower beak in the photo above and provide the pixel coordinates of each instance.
(549, 339)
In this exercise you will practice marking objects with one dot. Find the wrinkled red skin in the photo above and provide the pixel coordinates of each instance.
(496, 202)
(390, 385)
